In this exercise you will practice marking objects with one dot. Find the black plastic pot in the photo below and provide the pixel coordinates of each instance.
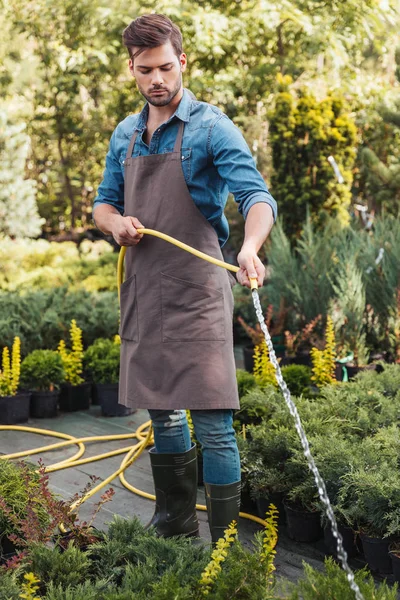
(273, 498)
(349, 540)
(107, 395)
(376, 552)
(298, 359)
(248, 359)
(14, 409)
(95, 399)
(44, 404)
(7, 549)
(303, 525)
(247, 504)
(75, 397)
(395, 566)
(6, 545)
(352, 370)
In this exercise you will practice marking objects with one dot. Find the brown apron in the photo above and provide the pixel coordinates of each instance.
(176, 309)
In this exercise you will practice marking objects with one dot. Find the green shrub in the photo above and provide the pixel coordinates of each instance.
(18, 482)
(245, 381)
(58, 567)
(83, 591)
(256, 405)
(304, 131)
(39, 264)
(297, 378)
(42, 370)
(42, 318)
(9, 587)
(333, 584)
(101, 361)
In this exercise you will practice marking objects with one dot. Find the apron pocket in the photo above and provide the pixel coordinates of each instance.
(129, 329)
(191, 311)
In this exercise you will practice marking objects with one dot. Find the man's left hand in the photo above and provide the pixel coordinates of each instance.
(250, 266)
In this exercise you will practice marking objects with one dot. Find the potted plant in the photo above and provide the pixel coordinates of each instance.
(369, 500)
(75, 393)
(42, 372)
(14, 404)
(296, 344)
(101, 363)
(394, 551)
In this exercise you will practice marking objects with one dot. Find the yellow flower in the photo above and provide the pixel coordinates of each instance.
(30, 587)
(218, 556)
(324, 360)
(11, 368)
(72, 360)
(270, 539)
(263, 369)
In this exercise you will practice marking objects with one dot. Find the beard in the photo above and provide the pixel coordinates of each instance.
(165, 99)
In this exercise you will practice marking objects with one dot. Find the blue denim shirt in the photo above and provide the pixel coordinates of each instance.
(215, 160)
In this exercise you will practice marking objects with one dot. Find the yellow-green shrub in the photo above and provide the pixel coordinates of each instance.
(10, 373)
(73, 359)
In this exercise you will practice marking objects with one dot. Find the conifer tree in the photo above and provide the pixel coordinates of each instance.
(381, 166)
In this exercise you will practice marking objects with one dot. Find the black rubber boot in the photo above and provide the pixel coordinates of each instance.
(175, 483)
(223, 505)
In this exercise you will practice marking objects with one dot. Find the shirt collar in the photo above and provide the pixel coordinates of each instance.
(182, 112)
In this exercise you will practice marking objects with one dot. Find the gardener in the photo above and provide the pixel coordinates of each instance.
(170, 168)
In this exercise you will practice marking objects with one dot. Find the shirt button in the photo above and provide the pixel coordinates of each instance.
(182, 157)
(123, 163)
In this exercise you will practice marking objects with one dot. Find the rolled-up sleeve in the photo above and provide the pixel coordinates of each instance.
(111, 189)
(236, 166)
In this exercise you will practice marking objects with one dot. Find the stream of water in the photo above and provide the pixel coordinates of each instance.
(342, 554)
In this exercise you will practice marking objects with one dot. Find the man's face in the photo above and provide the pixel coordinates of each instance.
(158, 73)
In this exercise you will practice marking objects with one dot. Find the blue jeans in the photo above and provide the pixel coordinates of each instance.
(215, 433)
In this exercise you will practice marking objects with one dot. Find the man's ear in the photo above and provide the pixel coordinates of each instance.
(183, 62)
(130, 66)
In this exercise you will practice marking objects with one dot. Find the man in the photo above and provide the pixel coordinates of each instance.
(170, 168)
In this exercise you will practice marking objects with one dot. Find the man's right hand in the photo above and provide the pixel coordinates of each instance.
(124, 230)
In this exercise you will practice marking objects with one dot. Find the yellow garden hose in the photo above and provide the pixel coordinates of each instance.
(143, 434)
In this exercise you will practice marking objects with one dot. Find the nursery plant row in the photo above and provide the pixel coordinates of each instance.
(354, 435)
(129, 562)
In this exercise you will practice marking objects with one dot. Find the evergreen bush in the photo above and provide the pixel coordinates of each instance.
(297, 378)
(101, 361)
(304, 132)
(333, 584)
(42, 318)
(42, 370)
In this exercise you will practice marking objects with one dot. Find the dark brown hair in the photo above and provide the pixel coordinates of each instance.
(151, 31)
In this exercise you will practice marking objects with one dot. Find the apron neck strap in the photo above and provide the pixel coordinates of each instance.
(131, 145)
(179, 137)
(178, 142)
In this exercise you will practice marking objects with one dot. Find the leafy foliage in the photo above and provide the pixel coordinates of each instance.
(304, 132)
(41, 318)
(324, 360)
(334, 584)
(72, 360)
(42, 370)
(10, 372)
(101, 361)
(297, 378)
